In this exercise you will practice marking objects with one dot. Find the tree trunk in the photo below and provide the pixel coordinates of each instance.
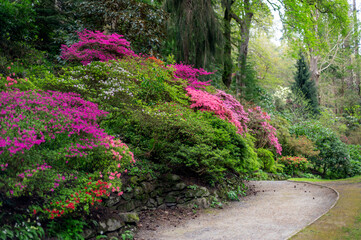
(227, 64)
(188, 18)
(245, 26)
(357, 55)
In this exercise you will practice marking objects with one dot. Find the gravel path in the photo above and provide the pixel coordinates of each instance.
(276, 211)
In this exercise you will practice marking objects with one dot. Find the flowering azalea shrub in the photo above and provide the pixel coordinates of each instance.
(237, 109)
(13, 80)
(226, 107)
(204, 101)
(293, 164)
(51, 148)
(191, 75)
(261, 128)
(96, 46)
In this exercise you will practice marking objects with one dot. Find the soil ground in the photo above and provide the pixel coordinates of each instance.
(275, 210)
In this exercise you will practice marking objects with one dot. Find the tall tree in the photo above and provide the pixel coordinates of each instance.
(227, 52)
(195, 30)
(303, 85)
(243, 12)
(356, 48)
(320, 26)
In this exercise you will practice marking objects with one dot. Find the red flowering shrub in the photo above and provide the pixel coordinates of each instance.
(96, 46)
(293, 163)
(52, 147)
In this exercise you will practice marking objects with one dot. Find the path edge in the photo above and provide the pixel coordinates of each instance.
(319, 185)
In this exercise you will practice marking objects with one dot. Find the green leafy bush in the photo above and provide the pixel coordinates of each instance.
(333, 159)
(301, 146)
(267, 160)
(355, 155)
(188, 141)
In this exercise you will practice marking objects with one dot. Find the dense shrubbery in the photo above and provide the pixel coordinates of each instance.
(334, 158)
(293, 165)
(187, 141)
(52, 149)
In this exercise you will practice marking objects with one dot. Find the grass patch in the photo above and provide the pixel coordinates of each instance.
(356, 179)
(344, 220)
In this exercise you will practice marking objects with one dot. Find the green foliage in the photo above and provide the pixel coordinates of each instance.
(127, 235)
(355, 161)
(17, 21)
(192, 36)
(66, 229)
(189, 142)
(334, 158)
(266, 158)
(22, 229)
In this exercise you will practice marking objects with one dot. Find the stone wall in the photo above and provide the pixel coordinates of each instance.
(142, 193)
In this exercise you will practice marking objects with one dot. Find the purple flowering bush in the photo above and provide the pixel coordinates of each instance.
(52, 148)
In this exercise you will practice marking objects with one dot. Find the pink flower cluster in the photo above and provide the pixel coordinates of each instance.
(261, 127)
(97, 46)
(4, 166)
(226, 107)
(237, 109)
(11, 80)
(29, 172)
(54, 112)
(191, 74)
(205, 101)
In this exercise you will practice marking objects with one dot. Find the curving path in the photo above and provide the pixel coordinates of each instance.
(277, 210)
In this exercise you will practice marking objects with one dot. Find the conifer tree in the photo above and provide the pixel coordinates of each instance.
(304, 85)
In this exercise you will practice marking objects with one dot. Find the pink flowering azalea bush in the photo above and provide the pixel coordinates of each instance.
(261, 128)
(52, 148)
(96, 46)
(191, 75)
(228, 108)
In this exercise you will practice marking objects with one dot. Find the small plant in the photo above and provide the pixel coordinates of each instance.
(22, 229)
(232, 195)
(193, 187)
(216, 203)
(127, 235)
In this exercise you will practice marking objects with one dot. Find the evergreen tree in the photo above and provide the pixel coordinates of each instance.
(194, 31)
(304, 85)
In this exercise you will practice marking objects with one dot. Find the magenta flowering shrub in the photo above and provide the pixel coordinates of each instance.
(238, 111)
(191, 74)
(226, 107)
(51, 147)
(261, 128)
(96, 46)
(204, 101)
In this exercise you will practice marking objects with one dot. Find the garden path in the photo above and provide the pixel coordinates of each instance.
(275, 210)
